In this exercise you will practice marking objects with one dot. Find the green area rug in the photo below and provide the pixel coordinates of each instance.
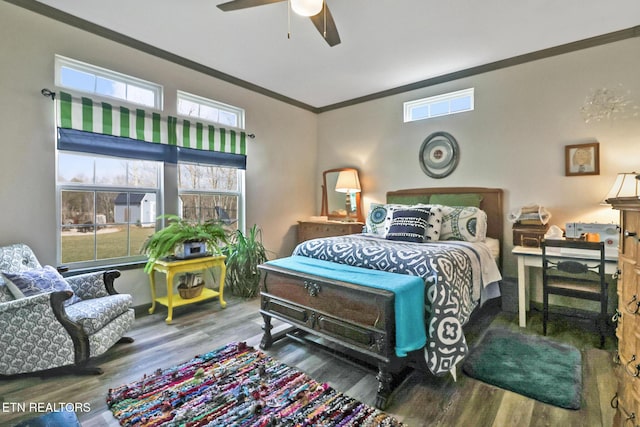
(529, 365)
(237, 386)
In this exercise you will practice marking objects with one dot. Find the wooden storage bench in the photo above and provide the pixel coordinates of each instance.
(360, 319)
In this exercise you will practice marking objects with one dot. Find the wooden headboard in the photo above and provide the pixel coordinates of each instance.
(491, 202)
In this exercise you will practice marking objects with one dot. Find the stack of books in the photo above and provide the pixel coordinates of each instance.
(533, 215)
(530, 224)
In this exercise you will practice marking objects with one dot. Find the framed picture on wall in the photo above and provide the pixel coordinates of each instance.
(582, 159)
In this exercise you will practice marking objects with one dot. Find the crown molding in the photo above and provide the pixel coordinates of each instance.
(109, 34)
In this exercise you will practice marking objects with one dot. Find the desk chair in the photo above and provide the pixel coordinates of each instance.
(579, 276)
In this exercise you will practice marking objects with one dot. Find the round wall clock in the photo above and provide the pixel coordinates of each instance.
(438, 155)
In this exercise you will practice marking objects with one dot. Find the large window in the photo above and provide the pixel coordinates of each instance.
(107, 206)
(114, 163)
(210, 192)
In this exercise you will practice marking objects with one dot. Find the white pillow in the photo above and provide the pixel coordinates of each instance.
(465, 223)
(376, 218)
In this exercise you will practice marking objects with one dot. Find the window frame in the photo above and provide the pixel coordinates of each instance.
(155, 88)
(211, 103)
(410, 106)
(93, 187)
(240, 192)
(167, 193)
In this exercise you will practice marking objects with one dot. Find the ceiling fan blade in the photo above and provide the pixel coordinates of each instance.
(332, 37)
(244, 4)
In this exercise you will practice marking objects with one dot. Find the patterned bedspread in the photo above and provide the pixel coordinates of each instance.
(454, 274)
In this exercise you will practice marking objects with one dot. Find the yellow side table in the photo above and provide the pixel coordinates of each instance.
(171, 268)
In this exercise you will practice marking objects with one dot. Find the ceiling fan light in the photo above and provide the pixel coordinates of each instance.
(307, 7)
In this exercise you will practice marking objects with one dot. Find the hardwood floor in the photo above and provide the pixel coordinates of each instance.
(422, 400)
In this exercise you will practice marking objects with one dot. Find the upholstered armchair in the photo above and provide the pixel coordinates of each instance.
(42, 330)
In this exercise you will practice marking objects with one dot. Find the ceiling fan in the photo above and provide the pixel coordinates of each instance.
(316, 10)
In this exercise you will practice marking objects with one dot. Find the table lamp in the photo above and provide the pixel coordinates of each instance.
(626, 185)
(348, 183)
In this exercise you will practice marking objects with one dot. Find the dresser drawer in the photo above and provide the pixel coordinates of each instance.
(627, 402)
(326, 230)
(630, 233)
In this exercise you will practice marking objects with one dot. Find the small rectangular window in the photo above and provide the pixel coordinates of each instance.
(95, 80)
(212, 111)
(439, 105)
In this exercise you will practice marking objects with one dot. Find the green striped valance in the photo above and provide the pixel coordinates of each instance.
(88, 115)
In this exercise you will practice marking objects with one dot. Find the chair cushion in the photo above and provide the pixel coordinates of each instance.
(94, 314)
(37, 281)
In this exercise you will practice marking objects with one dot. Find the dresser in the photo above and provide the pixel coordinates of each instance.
(627, 397)
(313, 229)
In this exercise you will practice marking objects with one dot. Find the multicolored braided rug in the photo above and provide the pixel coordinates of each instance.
(237, 386)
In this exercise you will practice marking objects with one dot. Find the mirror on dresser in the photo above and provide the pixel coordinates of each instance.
(341, 195)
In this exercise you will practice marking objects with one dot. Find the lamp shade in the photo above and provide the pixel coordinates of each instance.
(625, 186)
(348, 182)
(307, 7)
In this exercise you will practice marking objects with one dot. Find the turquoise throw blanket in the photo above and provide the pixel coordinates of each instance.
(408, 290)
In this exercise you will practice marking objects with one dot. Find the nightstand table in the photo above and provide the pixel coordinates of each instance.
(171, 268)
(308, 230)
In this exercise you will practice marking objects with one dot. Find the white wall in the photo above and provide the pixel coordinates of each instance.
(514, 139)
(281, 164)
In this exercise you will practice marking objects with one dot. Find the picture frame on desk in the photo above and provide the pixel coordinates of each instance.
(582, 159)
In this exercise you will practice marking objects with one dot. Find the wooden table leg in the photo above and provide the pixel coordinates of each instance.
(385, 380)
(170, 275)
(223, 275)
(267, 339)
(523, 291)
(152, 282)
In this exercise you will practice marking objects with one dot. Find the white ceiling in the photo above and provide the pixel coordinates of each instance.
(385, 43)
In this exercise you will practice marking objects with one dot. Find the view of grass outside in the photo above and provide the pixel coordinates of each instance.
(108, 206)
(112, 243)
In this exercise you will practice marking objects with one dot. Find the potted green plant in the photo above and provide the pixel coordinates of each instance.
(244, 253)
(177, 232)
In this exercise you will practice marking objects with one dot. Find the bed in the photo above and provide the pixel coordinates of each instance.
(454, 277)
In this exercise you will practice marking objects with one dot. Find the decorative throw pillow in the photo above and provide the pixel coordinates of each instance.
(435, 224)
(37, 281)
(409, 225)
(376, 218)
(380, 216)
(463, 223)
